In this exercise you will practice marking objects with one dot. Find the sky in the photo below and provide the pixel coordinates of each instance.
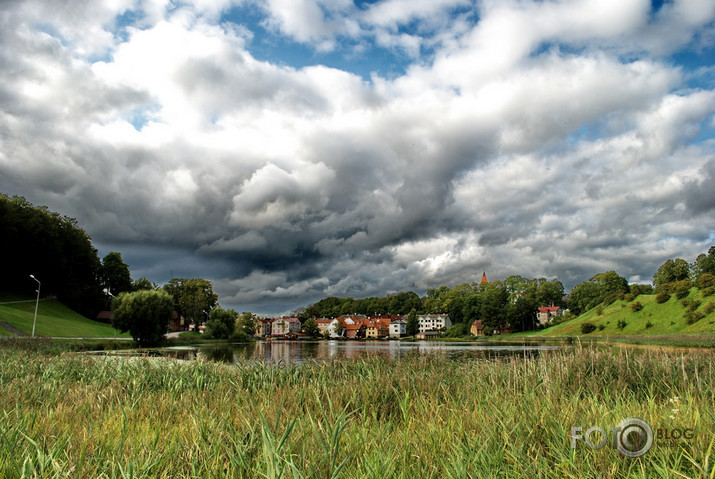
(289, 150)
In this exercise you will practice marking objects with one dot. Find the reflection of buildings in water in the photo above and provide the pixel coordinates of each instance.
(290, 352)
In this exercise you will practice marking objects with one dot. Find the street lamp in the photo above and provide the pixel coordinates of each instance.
(37, 303)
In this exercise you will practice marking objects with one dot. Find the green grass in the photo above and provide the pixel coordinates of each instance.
(664, 319)
(76, 415)
(53, 319)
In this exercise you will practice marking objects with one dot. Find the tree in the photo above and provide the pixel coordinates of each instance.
(115, 274)
(310, 327)
(193, 296)
(413, 323)
(521, 314)
(145, 314)
(338, 329)
(610, 283)
(493, 308)
(671, 271)
(704, 264)
(583, 297)
(54, 249)
(549, 293)
(247, 322)
(221, 323)
(143, 284)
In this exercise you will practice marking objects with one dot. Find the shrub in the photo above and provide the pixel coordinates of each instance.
(691, 304)
(708, 291)
(706, 280)
(637, 306)
(239, 336)
(222, 323)
(648, 325)
(611, 298)
(587, 328)
(662, 297)
(601, 327)
(621, 324)
(694, 316)
(709, 308)
(682, 288)
(599, 310)
(145, 314)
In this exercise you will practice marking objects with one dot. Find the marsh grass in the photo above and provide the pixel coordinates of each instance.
(66, 414)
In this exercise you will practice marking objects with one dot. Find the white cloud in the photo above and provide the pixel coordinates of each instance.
(542, 138)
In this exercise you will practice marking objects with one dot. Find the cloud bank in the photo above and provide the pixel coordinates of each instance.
(554, 139)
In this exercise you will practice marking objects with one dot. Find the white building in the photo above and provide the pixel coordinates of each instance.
(431, 322)
(283, 326)
(398, 328)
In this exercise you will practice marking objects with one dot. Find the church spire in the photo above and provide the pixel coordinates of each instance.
(484, 278)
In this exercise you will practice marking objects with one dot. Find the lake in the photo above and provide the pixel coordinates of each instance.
(301, 351)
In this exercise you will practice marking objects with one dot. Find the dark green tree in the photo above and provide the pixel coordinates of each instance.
(583, 297)
(221, 323)
(247, 322)
(143, 284)
(193, 296)
(145, 314)
(54, 249)
(704, 264)
(494, 298)
(671, 271)
(115, 274)
(310, 327)
(413, 323)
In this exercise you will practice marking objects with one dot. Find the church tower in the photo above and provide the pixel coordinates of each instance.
(484, 278)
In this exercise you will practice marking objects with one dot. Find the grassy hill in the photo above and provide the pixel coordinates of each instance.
(53, 319)
(620, 319)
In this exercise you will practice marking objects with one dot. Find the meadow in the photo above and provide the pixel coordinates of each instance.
(53, 319)
(69, 414)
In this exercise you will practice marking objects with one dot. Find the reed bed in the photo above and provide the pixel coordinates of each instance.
(67, 414)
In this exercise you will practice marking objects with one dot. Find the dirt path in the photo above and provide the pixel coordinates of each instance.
(12, 329)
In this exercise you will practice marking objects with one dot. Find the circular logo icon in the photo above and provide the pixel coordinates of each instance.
(634, 437)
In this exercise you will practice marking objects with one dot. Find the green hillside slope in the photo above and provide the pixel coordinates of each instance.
(619, 318)
(53, 319)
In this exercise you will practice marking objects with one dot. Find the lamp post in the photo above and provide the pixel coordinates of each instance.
(108, 292)
(37, 303)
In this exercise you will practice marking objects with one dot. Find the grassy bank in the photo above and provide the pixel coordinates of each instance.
(53, 319)
(72, 415)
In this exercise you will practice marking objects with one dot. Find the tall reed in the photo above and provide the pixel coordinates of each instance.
(65, 414)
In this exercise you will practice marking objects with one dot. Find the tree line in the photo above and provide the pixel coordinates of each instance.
(513, 301)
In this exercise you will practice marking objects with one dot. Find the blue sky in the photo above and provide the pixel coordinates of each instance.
(292, 149)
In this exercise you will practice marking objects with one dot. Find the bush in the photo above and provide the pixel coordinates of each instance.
(601, 327)
(145, 314)
(694, 316)
(611, 298)
(648, 325)
(222, 323)
(709, 308)
(708, 291)
(599, 310)
(682, 288)
(662, 297)
(637, 306)
(239, 336)
(706, 280)
(587, 328)
(691, 304)
(621, 324)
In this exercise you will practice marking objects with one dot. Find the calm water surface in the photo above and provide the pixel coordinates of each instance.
(302, 351)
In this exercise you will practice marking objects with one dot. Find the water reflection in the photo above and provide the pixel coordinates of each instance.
(301, 351)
